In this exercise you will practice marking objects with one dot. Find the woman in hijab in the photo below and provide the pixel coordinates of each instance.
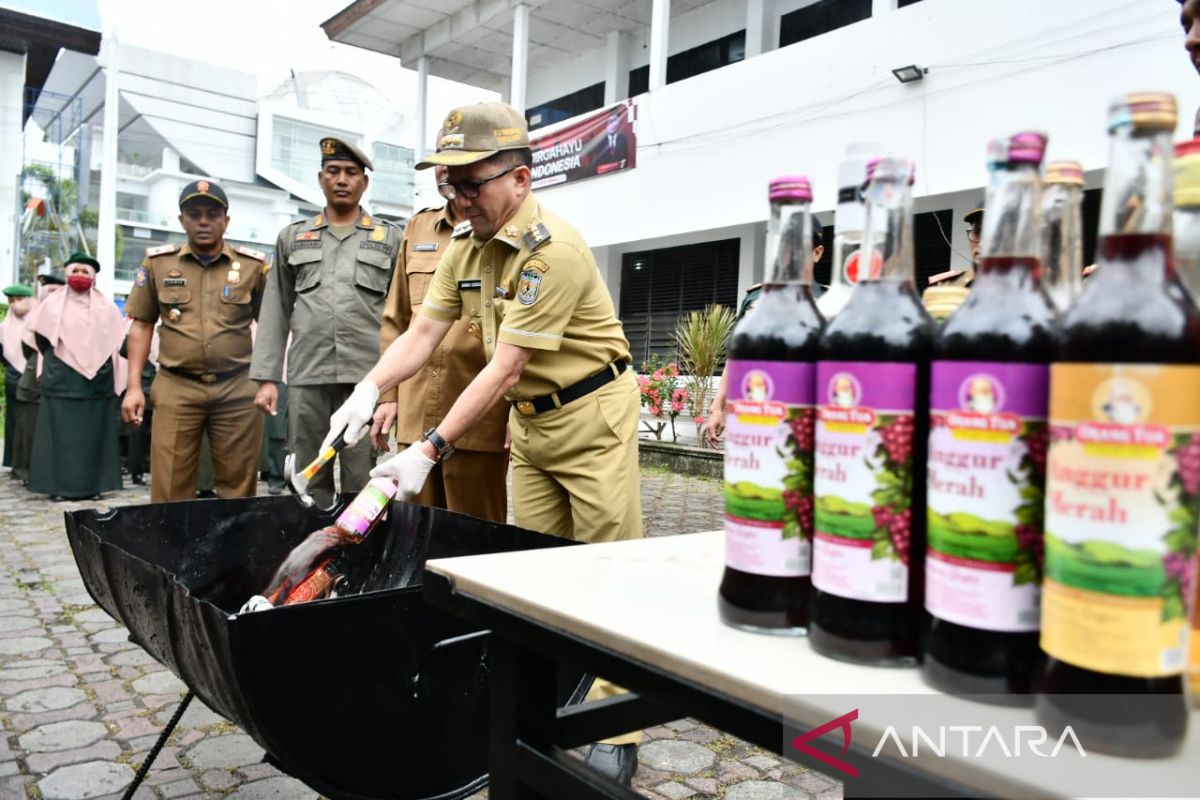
(77, 330)
(20, 303)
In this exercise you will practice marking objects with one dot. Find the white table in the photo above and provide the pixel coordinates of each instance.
(644, 613)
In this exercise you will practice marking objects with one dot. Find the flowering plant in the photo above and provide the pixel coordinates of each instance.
(661, 395)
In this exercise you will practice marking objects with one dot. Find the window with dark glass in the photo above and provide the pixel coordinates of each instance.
(659, 285)
(931, 251)
(704, 58)
(821, 17)
(569, 105)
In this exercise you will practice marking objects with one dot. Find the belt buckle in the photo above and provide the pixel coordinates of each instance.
(526, 407)
(208, 377)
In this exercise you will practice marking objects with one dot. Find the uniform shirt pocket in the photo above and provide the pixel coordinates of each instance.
(307, 265)
(236, 295)
(373, 271)
(174, 295)
(418, 272)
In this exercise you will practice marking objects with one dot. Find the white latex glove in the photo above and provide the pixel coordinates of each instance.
(354, 417)
(409, 470)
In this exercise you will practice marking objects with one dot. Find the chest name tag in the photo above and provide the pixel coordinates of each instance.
(425, 247)
(470, 286)
(174, 282)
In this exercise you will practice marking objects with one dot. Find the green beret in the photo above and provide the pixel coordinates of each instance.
(82, 258)
(17, 290)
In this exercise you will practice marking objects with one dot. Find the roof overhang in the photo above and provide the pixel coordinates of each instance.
(40, 28)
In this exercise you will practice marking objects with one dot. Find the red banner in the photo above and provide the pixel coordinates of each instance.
(595, 145)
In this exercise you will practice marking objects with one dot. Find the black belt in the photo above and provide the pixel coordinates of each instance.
(540, 405)
(204, 377)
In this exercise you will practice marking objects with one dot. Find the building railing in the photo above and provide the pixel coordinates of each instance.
(127, 170)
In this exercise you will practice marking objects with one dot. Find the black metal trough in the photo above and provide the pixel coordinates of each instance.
(372, 695)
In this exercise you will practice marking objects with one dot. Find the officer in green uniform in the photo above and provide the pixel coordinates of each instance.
(327, 289)
(556, 353)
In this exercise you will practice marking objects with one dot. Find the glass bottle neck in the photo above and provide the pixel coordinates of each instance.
(1012, 224)
(1062, 240)
(1137, 189)
(887, 235)
(789, 243)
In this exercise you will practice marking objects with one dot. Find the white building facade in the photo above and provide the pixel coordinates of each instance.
(730, 93)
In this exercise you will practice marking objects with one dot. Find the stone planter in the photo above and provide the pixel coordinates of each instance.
(683, 459)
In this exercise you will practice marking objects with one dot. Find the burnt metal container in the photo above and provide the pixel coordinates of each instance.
(370, 695)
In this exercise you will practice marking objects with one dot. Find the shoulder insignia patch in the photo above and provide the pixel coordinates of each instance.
(162, 250)
(366, 222)
(528, 286)
(250, 253)
(461, 230)
(536, 263)
(945, 276)
(379, 233)
(317, 221)
(139, 279)
(536, 235)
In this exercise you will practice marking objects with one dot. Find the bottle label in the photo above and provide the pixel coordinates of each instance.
(366, 506)
(1121, 515)
(985, 478)
(768, 468)
(863, 484)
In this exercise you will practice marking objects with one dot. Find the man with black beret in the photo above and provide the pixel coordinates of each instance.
(206, 293)
(327, 290)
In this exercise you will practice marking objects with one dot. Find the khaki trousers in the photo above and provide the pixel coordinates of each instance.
(309, 410)
(469, 482)
(182, 410)
(575, 474)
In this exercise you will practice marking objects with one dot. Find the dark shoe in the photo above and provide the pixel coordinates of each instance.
(207, 494)
(617, 762)
(138, 480)
(275, 489)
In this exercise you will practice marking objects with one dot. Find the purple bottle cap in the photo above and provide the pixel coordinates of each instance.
(1027, 147)
(791, 187)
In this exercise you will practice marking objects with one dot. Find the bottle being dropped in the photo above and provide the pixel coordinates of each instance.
(309, 572)
(986, 470)
(1187, 214)
(769, 432)
(1062, 232)
(872, 421)
(1123, 481)
(848, 226)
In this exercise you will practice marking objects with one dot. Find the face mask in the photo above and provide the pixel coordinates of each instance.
(80, 283)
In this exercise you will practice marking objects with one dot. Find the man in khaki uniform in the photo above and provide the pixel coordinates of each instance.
(947, 290)
(327, 289)
(473, 482)
(207, 294)
(556, 352)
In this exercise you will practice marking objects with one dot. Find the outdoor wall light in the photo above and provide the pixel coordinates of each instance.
(910, 74)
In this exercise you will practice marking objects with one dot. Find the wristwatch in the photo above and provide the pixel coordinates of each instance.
(444, 449)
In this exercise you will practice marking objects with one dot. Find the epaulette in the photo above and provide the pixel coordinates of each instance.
(948, 275)
(461, 229)
(536, 235)
(161, 250)
(246, 251)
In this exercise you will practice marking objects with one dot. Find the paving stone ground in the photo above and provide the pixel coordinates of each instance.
(80, 705)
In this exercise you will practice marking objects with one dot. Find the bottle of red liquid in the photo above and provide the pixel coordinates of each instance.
(986, 470)
(351, 527)
(872, 421)
(1123, 480)
(769, 432)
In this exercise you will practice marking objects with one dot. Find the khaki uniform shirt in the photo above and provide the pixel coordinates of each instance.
(425, 398)
(534, 284)
(206, 311)
(328, 292)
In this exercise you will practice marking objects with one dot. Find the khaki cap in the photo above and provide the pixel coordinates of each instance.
(334, 149)
(473, 133)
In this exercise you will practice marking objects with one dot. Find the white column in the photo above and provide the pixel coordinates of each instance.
(422, 107)
(660, 19)
(12, 102)
(616, 68)
(106, 233)
(757, 24)
(520, 56)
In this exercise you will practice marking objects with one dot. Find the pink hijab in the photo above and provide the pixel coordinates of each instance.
(85, 329)
(10, 336)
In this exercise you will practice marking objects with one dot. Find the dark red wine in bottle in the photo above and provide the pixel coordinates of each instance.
(872, 417)
(769, 432)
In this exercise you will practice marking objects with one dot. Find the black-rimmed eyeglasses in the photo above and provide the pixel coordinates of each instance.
(469, 189)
